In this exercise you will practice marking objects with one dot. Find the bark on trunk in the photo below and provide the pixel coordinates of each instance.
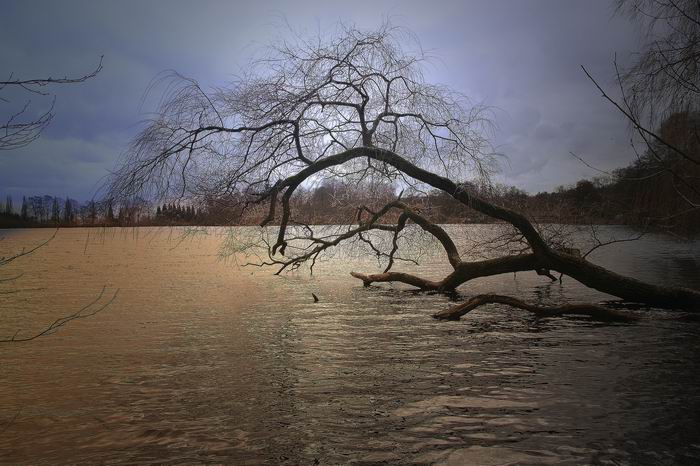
(623, 287)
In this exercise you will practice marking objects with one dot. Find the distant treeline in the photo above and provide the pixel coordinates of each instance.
(656, 191)
(630, 198)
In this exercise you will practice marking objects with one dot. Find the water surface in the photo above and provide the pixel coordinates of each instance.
(198, 360)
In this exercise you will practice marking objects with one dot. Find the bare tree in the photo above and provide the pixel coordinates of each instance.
(664, 77)
(20, 129)
(355, 107)
(660, 97)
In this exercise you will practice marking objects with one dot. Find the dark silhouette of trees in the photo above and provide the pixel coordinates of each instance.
(660, 97)
(92, 212)
(110, 213)
(177, 214)
(9, 210)
(24, 210)
(622, 199)
(68, 215)
(584, 193)
(664, 80)
(357, 108)
(55, 211)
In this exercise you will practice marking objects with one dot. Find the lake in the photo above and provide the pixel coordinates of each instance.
(201, 360)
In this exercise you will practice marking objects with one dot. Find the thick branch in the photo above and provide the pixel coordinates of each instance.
(602, 279)
(382, 155)
(592, 310)
(437, 231)
(464, 272)
(413, 280)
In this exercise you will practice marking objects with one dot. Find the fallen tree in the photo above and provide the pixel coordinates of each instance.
(357, 108)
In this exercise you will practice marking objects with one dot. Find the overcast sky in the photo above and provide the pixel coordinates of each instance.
(521, 57)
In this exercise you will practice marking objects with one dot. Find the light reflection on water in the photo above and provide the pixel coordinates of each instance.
(199, 360)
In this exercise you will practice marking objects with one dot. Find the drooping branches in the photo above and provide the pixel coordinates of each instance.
(90, 309)
(659, 95)
(18, 130)
(355, 108)
(664, 76)
(300, 104)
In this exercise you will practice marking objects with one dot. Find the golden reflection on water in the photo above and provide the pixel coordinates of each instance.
(176, 302)
(199, 360)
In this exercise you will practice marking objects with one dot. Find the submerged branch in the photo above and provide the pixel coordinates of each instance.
(592, 310)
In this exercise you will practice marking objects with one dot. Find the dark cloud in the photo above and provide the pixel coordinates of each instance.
(523, 58)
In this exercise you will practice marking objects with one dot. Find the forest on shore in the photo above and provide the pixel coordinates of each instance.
(643, 194)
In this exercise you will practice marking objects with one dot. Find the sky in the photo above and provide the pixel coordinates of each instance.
(523, 58)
